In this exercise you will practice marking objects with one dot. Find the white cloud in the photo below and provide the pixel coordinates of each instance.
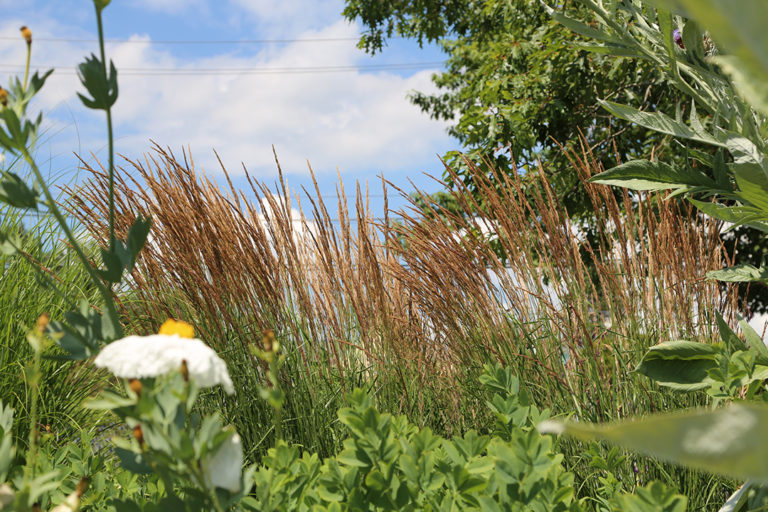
(171, 6)
(291, 16)
(356, 121)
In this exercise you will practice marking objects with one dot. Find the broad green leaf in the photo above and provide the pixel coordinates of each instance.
(132, 461)
(728, 336)
(753, 184)
(9, 243)
(741, 273)
(659, 122)
(737, 500)
(749, 86)
(681, 365)
(755, 342)
(735, 215)
(647, 175)
(728, 441)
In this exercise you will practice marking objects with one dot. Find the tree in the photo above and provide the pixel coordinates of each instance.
(516, 85)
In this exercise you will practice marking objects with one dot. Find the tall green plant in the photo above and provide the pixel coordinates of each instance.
(82, 331)
(722, 72)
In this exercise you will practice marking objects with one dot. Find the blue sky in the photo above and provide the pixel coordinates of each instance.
(356, 119)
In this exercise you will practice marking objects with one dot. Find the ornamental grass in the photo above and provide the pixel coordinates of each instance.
(411, 306)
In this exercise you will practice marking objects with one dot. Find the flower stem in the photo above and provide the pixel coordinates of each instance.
(104, 291)
(110, 137)
(274, 369)
(26, 68)
(198, 472)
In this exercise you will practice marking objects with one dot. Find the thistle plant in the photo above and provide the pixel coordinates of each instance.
(726, 177)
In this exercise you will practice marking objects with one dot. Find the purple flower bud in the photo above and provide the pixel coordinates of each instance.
(678, 37)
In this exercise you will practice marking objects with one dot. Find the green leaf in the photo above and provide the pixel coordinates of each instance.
(681, 365)
(655, 496)
(647, 175)
(753, 184)
(729, 337)
(36, 82)
(748, 85)
(15, 192)
(9, 243)
(615, 50)
(579, 27)
(108, 401)
(727, 441)
(741, 273)
(17, 135)
(659, 122)
(755, 342)
(737, 215)
(132, 461)
(102, 88)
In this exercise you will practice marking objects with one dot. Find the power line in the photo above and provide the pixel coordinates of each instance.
(247, 71)
(189, 41)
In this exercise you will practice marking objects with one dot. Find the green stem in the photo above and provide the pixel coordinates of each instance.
(104, 291)
(26, 68)
(273, 377)
(198, 472)
(111, 167)
(34, 391)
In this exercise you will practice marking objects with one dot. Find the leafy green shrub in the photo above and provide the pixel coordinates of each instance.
(387, 463)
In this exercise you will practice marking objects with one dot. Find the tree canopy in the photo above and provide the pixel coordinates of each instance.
(517, 83)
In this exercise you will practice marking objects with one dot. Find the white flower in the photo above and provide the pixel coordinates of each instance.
(223, 469)
(149, 356)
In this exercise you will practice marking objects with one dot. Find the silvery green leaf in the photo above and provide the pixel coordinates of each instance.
(727, 441)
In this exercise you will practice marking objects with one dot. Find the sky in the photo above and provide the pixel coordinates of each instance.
(237, 77)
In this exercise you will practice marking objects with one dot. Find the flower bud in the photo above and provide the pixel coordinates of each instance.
(26, 34)
(184, 370)
(3, 97)
(42, 322)
(138, 435)
(135, 385)
(268, 340)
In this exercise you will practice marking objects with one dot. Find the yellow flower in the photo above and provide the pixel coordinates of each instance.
(180, 328)
(27, 34)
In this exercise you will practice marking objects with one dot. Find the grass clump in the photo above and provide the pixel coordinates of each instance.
(43, 277)
(412, 310)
